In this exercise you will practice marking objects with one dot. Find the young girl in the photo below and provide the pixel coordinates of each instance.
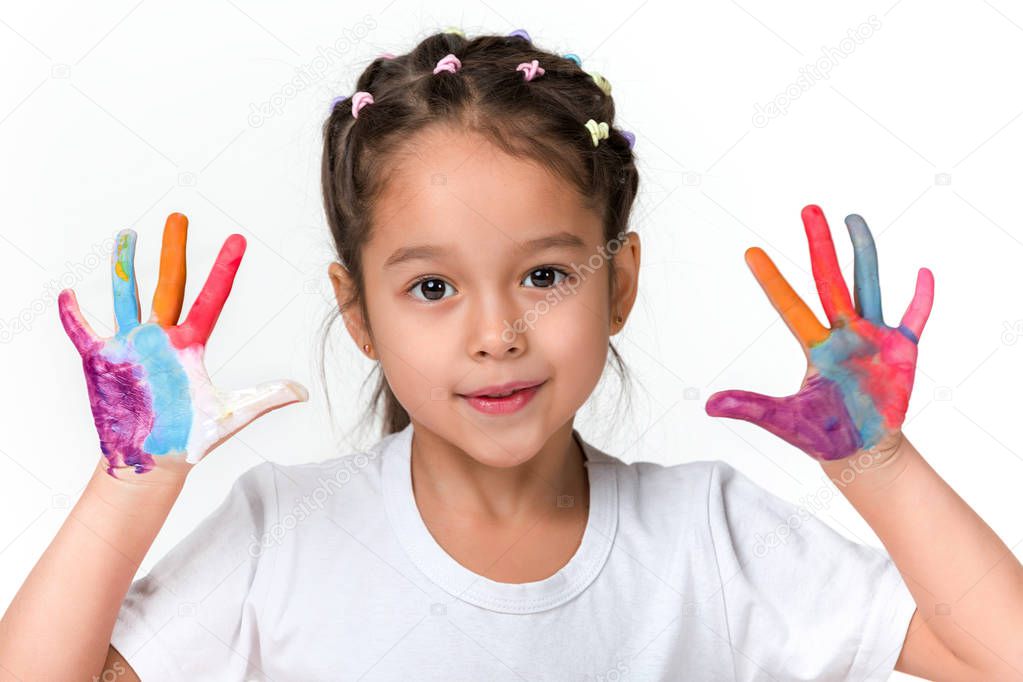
(478, 196)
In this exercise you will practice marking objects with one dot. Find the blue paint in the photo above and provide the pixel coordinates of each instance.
(909, 333)
(828, 358)
(866, 285)
(126, 305)
(168, 383)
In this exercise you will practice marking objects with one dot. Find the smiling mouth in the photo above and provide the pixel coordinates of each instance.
(503, 394)
(508, 403)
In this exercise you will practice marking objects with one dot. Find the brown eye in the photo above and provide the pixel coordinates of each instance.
(547, 276)
(432, 288)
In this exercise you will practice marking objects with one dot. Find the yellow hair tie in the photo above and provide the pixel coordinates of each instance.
(603, 83)
(453, 29)
(598, 131)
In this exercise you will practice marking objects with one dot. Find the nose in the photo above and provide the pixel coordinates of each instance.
(498, 329)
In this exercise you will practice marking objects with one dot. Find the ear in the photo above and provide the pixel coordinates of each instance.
(626, 287)
(344, 287)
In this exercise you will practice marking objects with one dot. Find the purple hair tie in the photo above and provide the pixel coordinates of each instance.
(630, 137)
(520, 33)
(448, 63)
(359, 100)
(530, 69)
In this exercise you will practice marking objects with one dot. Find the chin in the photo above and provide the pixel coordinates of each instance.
(491, 452)
(504, 460)
(490, 449)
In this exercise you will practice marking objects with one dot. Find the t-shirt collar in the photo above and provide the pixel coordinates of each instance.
(470, 587)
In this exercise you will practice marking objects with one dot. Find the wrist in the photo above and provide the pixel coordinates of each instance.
(122, 519)
(126, 490)
(874, 468)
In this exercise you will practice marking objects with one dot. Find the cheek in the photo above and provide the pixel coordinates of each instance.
(403, 347)
(573, 339)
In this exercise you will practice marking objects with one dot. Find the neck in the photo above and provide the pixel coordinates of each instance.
(465, 486)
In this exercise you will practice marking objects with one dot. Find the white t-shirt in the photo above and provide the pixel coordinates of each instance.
(326, 571)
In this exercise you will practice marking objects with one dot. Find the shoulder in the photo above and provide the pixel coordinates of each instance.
(703, 492)
(268, 475)
(340, 481)
(691, 480)
(672, 492)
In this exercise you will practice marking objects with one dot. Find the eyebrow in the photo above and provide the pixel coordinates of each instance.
(427, 252)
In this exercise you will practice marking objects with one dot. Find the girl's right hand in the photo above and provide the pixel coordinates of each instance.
(152, 400)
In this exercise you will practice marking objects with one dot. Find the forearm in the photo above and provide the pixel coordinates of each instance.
(967, 584)
(59, 623)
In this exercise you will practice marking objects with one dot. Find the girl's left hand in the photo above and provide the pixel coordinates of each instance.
(859, 372)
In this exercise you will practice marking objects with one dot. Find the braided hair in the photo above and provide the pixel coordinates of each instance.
(546, 119)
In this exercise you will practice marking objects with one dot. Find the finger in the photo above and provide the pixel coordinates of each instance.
(814, 420)
(244, 406)
(210, 301)
(126, 291)
(866, 286)
(919, 309)
(745, 405)
(797, 315)
(76, 326)
(170, 288)
(826, 273)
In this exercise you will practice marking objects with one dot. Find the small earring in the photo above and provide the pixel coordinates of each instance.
(618, 319)
(365, 347)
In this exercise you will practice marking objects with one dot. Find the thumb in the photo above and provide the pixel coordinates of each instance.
(745, 405)
(245, 405)
(814, 419)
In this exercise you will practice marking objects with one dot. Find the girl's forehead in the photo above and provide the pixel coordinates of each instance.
(464, 185)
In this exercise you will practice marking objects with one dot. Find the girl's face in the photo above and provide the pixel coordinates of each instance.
(459, 300)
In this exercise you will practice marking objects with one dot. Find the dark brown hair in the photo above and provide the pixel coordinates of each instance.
(542, 120)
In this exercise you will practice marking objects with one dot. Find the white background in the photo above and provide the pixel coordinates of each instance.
(113, 116)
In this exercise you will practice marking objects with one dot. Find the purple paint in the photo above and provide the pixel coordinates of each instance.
(121, 409)
(815, 420)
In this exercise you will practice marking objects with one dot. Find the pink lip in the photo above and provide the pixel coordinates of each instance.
(507, 405)
(503, 388)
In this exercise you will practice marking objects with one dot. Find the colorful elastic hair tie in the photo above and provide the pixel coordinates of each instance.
(521, 33)
(574, 58)
(530, 69)
(359, 100)
(630, 137)
(453, 29)
(448, 62)
(602, 83)
(598, 131)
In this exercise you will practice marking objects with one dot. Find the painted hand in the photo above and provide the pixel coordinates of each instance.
(859, 372)
(152, 400)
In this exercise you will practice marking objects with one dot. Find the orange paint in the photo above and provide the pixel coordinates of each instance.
(797, 315)
(170, 287)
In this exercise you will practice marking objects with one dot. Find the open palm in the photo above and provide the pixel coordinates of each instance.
(150, 394)
(859, 372)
